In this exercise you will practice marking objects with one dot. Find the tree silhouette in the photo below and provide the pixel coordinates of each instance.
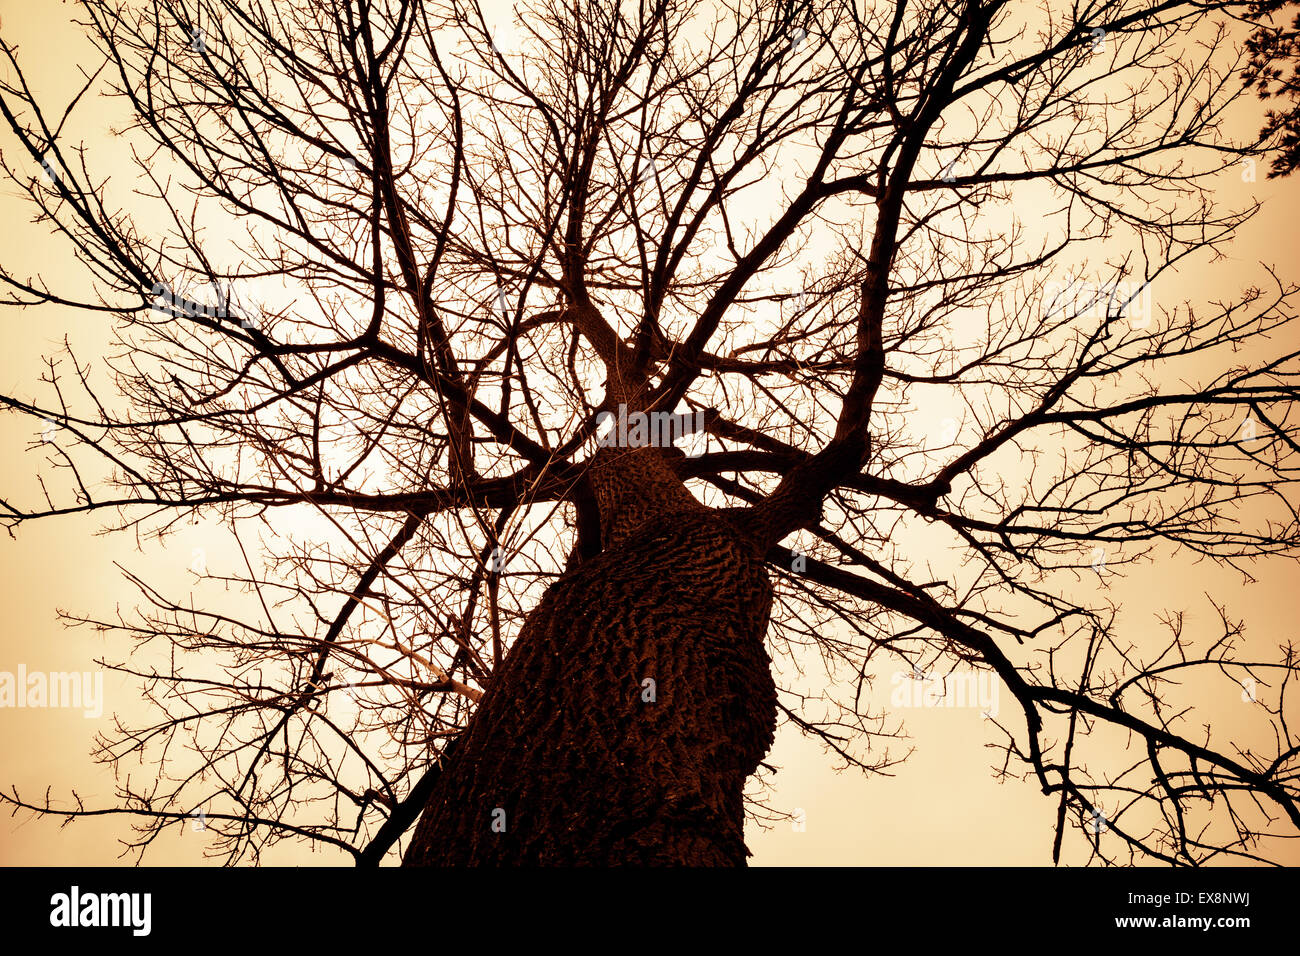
(1275, 48)
(575, 365)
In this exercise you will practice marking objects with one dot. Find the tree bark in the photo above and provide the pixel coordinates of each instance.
(633, 705)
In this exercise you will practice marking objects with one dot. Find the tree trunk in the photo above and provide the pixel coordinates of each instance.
(633, 705)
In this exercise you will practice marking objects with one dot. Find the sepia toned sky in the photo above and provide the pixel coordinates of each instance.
(944, 805)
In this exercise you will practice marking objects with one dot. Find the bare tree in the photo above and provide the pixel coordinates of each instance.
(585, 353)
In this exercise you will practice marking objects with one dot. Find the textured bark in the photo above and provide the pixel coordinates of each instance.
(566, 750)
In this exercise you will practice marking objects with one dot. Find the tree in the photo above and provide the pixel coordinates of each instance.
(1273, 48)
(602, 344)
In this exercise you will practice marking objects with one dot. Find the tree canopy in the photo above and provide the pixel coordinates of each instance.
(386, 271)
